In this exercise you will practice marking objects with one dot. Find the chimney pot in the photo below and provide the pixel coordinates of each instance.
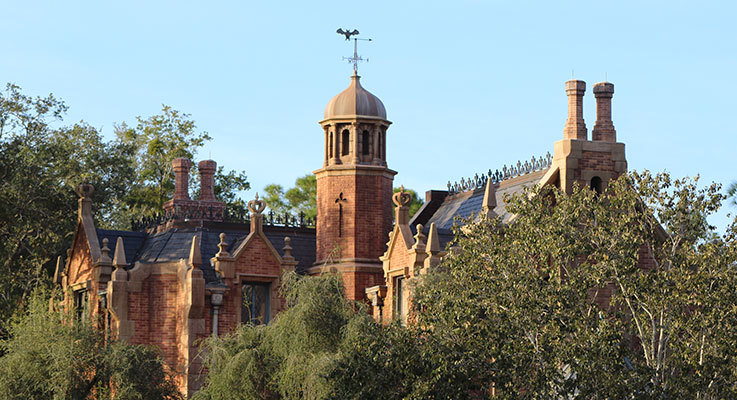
(604, 127)
(181, 178)
(207, 179)
(575, 125)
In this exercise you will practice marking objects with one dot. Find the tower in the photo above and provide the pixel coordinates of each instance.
(354, 190)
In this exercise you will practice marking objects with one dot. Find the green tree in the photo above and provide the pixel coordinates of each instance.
(40, 165)
(327, 347)
(302, 198)
(49, 357)
(528, 301)
(156, 141)
(732, 193)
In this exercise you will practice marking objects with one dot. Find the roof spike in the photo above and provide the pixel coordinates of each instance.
(119, 257)
(195, 256)
(433, 241)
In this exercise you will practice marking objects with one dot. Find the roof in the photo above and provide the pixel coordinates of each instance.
(133, 241)
(460, 206)
(355, 101)
(174, 244)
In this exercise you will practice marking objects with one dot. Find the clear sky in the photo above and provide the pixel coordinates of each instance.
(468, 85)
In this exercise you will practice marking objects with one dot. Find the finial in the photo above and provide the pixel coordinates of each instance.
(222, 246)
(256, 206)
(119, 258)
(85, 190)
(105, 257)
(419, 237)
(401, 198)
(433, 242)
(287, 247)
(195, 256)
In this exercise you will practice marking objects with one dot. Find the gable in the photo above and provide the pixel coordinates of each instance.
(79, 267)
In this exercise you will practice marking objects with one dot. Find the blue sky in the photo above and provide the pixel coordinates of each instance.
(469, 85)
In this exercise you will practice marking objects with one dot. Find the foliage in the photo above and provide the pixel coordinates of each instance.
(324, 347)
(302, 198)
(39, 167)
(157, 141)
(41, 164)
(50, 357)
(732, 193)
(415, 203)
(528, 302)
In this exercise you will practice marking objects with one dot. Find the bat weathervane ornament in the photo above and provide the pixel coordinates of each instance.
(347, 33)
(355, 59)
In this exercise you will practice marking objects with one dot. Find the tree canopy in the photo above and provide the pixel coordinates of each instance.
(302, 198)
(558, 304)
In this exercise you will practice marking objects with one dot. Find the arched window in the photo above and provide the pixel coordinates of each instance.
(344, 142)
(596, 184)
(365, 143)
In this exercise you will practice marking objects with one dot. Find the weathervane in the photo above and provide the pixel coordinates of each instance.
(355, 59)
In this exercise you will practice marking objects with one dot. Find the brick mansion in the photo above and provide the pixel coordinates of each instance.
(201, 272)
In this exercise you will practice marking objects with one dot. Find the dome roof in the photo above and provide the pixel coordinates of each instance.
(355, 101)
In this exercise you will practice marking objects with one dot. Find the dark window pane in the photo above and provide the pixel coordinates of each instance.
(256, 303)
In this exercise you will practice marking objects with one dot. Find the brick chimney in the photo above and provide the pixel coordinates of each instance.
(181, 178)
(207, 179)
(575, 126)
(604, 128)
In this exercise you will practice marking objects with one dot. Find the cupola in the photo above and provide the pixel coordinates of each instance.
(355, 101)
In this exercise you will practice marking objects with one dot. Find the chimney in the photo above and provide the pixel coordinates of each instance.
(207, 180)
(181, 178)
(604, 128)
(575, 126)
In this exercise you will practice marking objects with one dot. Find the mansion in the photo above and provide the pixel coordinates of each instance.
(200, 271)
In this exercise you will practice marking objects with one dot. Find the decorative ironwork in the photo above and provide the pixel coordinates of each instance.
(513, 171)
(233, 214)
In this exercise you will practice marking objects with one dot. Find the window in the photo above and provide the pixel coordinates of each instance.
(256, 304)
(596, 184)
(80, 304)
(344, 142)
(365, 143)
(400, 300)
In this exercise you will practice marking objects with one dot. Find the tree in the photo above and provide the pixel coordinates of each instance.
(302, 198)
(49, 356)
(327, 347)
(42, 162)
(157, 141)
(529, 301)
(732, 193)
(40, 165)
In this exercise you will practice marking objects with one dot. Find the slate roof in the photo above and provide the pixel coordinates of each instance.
(459, 206)
(133, 241)
(174, 244)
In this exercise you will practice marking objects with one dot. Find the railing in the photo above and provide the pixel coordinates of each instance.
(479, 181)
(235, 214)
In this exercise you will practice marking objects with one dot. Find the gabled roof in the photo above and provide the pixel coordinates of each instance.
(174, 244)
